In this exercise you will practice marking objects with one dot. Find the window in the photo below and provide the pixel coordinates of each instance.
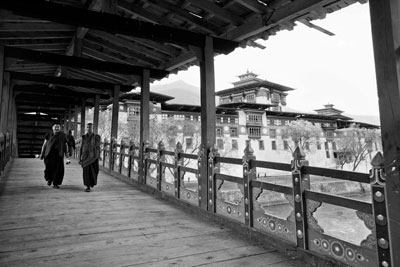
(235, 144)
(272, 133)
(236, 120)
(327, 154)
(234, 132)
(220, 144)
(219, 131)
(271, 122)
(254, 131)
(164, 116)
(189, 143)
(250, 97)
(278, 122)
(326, 146)
(285, 145)
(254, 118)
(237, 99)
(273, 145)
(318, 145)
(329, 134)
(261, 145)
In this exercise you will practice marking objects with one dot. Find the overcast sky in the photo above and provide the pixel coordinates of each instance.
(323, 69)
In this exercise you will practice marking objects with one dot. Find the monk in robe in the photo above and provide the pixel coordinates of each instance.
(53, 150)
(89, 157)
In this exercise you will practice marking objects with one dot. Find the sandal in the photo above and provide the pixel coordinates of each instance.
(87, 189)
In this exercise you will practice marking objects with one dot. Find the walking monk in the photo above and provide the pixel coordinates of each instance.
(53, 150)
(89, 157)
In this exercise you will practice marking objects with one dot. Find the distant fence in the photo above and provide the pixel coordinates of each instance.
(177, 174)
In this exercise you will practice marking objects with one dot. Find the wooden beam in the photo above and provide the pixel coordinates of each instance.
(131, 45)
(39, 89)
(186, 16)
(207, 96)
(34, 26)
(144, 121)
(83, 117)
(122, 51)
(115, 24)
(29, 35)
(255, 6)
(217, 11)
(66, 81)
(115, 112)
(77, 62)
(96, 114)
(260, 23)
(385, 24)
(2, 89)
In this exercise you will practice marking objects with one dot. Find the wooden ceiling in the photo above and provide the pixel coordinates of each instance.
(87, 47)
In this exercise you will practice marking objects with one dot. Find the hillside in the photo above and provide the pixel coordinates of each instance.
(184, 93)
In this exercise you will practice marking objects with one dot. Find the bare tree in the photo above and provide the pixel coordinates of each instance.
(354, 145)
(302, 133)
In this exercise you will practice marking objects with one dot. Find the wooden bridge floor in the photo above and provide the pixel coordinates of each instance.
(114, 225)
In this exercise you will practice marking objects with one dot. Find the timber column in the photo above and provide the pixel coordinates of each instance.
(385, 24)
(144, 121)
(207, 93)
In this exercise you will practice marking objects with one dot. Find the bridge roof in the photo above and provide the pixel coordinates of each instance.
(89, 47)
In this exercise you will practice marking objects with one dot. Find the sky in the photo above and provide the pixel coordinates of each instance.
(322, 69)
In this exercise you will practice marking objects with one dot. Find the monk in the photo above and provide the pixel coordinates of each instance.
(89, 157)
(53, 150)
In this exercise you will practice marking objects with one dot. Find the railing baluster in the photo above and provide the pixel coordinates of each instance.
(378, 180)
(178, 162)
(121, 156)
(131, 151)
(249, 173)
(212, 169)
(160, 160)
(300, 183)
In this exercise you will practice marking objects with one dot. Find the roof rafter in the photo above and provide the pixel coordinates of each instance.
(113, 23)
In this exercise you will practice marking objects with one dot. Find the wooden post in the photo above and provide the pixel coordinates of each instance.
(115, 112)
(121, 157)
(300, 183)
(83, 115)
(385, 24)
(76, 122)
(144, 121)
(160, 160)
(96, 114)
(69, 125)
(1, 86)
(4, 109)
(178, 162)
(207, 93)
(249, 174)
(131, 155)
(378, 190)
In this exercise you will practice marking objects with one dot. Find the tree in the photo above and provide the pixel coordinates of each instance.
(302, 133)
(355, 145)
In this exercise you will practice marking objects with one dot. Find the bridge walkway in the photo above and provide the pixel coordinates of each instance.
(113, 225)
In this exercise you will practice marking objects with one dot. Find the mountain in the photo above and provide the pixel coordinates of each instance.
(184, 93)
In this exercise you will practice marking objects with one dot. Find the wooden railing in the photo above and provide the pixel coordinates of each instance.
(5, 149)
(165, 171)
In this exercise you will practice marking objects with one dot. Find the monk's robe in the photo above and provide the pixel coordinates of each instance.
(53, 156)
(90, 153)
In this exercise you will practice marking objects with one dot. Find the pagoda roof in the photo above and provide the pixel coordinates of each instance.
(194, 109)
(257, 83)
(245, 105)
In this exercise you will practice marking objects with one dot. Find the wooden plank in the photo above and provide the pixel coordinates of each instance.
(385, 17)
